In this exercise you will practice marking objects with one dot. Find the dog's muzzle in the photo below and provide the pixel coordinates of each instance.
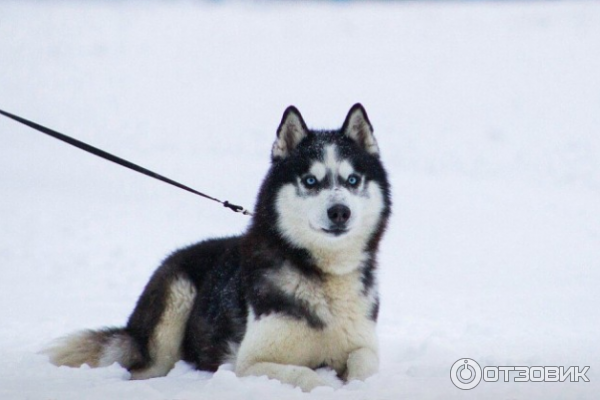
(339, 215)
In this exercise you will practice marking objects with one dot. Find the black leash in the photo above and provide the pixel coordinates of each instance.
(110, 157)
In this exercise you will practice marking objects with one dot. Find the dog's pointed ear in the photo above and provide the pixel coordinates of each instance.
(358, 128)
(291, 131)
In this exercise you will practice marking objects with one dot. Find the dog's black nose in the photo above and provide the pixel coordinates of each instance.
(339, 214)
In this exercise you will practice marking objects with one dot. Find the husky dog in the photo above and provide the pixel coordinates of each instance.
(296, 292)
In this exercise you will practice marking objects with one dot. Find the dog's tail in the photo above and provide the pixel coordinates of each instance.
(150, 344)
(99, 348)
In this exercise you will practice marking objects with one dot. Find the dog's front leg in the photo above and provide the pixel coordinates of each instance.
(281, 348)
(362, 363)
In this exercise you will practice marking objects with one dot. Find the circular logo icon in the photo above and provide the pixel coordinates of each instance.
(465, 373)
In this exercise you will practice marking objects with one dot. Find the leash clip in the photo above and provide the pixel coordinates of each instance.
(236, 208)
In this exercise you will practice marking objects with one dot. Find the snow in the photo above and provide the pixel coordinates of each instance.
(487, 117)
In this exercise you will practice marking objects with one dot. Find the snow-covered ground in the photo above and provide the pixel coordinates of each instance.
(488, 116)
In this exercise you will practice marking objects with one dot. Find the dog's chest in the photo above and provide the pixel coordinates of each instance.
(334, 299)
(340, 301)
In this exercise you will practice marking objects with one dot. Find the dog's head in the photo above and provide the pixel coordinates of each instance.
(327, 191)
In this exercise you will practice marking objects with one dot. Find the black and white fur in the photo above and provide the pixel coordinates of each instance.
(296, 292)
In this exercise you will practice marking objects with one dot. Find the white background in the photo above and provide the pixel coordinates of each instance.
(488, 117)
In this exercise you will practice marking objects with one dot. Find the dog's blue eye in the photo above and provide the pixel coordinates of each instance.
(310, 181)
(353, 180)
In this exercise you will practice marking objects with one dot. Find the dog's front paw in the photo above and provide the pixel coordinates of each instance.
(360, 374)
(296, 375)
(308, 379)
(362, 364)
